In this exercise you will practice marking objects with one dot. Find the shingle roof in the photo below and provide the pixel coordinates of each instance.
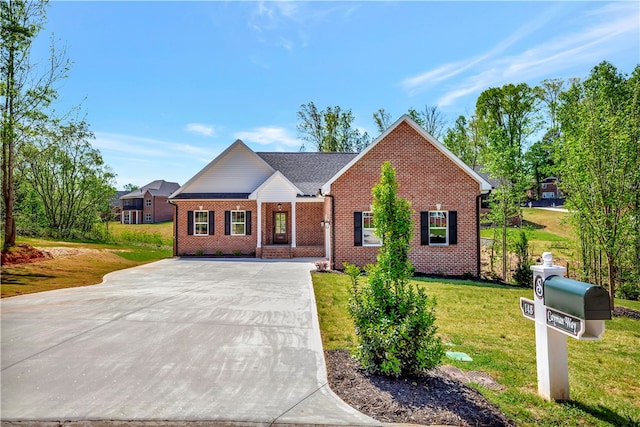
(307, 171)
(159, 187)
(479, 169)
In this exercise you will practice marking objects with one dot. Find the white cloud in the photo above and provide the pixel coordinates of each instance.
(601, 32)
(150, 147)
(201, 129)
(266, 135)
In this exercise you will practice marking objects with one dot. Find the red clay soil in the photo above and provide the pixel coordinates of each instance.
(24, 253)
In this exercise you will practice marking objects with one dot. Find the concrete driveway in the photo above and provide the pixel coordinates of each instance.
(177, 340)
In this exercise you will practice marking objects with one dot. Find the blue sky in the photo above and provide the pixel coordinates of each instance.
(167, 86)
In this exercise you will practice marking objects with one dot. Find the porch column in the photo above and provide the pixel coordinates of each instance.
(327, 243)
(293, 224)
(259, 203)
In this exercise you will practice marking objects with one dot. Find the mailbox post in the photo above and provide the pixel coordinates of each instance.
(561, 307)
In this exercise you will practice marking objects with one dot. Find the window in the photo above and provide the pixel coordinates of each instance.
(548, 195)
(147, 217)
(544, 185)
(148, 202)
(438, 228)
(201, 223)
(127, 218)
(369, 237)
(238, 223)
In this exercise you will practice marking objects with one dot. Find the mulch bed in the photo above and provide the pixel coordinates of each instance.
(626, 312)
(24, 253)
(434, 399)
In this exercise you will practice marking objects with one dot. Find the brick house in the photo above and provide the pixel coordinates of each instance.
(280, 205)
(148, 204)
(549, 188)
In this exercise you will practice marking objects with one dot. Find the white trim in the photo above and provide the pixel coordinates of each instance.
(231, 222)
(255, 194)
(215, 161)
(369, 228)
(195, 223)
(293, 224)
(259, 225)
(484, 185)
(446, 228)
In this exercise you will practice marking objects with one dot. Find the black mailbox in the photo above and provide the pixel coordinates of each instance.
(582, 300)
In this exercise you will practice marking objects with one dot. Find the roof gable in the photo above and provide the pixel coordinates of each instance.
(236, 170)
(483, 184)
(275, 188)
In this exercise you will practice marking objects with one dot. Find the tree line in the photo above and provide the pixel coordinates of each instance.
(53, 181)
(585, 133)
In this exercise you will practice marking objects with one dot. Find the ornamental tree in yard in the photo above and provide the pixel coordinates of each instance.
(394, 320)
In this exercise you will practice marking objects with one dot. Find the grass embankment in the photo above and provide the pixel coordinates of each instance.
(81, 264)
(547, 231)
(485, 322)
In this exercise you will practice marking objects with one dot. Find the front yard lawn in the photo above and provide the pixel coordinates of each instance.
(485, 321)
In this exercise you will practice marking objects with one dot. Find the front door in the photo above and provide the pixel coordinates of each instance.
(280, 228)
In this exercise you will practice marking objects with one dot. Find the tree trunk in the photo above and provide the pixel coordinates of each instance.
(504, 249)
(8, 145)
(612, 283)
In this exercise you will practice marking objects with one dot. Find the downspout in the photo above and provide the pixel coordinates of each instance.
(332, 261)
(478, 199)
(175, 229)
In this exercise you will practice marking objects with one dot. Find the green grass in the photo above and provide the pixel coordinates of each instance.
(129, 246)
(485, 322)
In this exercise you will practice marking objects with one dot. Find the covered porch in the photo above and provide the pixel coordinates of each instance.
(291, 229)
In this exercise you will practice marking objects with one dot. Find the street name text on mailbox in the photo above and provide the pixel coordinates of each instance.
(561, 307)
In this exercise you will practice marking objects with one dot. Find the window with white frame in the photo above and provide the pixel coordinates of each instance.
(548, 195)
(238, 223)
(148, 202)
(127, 218)
(201, 223)
(369, 237)
(438, 234)
(543, 185)
(147, 217)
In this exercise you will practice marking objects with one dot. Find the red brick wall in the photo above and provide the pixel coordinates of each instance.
(308, 229)
(189, 245)
(425, 177)
(160, 210)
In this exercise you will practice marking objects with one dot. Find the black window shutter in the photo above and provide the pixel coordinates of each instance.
(424, 228)
(227, 222)
(248, 223)
(357, 229)
(190, 223)
(453, 227)
(212, 223)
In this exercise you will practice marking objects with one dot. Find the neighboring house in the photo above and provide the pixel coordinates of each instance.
(274, 205)
(549, 188)
(148, 204)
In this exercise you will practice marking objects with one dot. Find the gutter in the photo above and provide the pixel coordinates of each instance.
(175, 229)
